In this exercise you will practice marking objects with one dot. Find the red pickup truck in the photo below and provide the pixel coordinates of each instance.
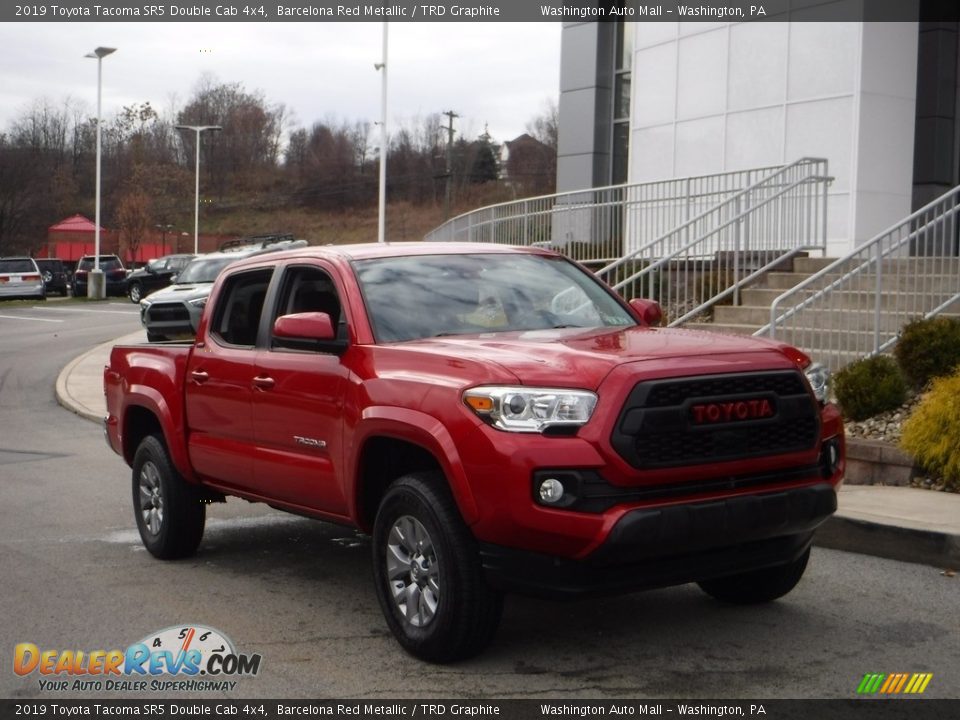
(496, 418)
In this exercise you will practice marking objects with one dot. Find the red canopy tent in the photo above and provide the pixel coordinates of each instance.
(73, 237)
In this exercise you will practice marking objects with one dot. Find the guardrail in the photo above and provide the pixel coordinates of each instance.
(856, 306)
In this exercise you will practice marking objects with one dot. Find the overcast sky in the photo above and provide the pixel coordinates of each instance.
(496, 73)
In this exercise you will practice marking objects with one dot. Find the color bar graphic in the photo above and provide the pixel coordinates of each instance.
(894, 683)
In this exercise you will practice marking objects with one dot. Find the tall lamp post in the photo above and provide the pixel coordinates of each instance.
(96, 288)
(196, 209)
(382, 203)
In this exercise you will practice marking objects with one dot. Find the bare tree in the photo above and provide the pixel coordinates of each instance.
(134, 216)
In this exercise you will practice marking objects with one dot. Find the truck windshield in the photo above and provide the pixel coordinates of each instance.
(204, 270)
(409, 298)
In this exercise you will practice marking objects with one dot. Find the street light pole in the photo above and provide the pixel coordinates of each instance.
(96, 288)
(196, 205)
(382, 212)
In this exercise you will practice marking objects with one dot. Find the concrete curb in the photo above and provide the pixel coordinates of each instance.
(925, 547)
(67, 398)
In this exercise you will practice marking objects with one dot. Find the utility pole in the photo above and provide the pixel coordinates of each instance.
(446, 204)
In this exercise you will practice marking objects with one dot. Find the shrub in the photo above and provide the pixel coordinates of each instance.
(869, 386)
(928, 349)
(932, 432)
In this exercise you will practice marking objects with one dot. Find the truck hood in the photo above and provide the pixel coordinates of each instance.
(183, 293)
(571, 357)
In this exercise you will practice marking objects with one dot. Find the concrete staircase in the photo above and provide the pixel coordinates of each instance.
(904, 282)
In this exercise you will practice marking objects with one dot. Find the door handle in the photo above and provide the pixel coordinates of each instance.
(199, 376)
(263, 382)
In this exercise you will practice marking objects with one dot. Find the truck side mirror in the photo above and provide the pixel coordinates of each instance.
(307, 331)
(647, 312)
(304, 326)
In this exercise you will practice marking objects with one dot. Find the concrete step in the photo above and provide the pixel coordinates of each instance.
(810, 265)
(829, 317)
(841, 348)
(904, 281)
(764, 297)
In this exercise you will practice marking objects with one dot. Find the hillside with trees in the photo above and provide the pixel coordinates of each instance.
(260, 174)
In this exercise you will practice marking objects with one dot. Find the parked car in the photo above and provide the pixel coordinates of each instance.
(156, 275)
(115, 275)
(55, 275)
(497, 419)
(20, 278)
(174, 311)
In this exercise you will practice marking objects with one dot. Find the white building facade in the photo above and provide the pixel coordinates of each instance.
(647, 101)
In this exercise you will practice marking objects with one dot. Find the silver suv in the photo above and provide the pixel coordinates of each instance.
(174, 312)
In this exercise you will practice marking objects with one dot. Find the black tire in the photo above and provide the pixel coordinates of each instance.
(155, 337)
(759, 586)
(467, 610)
(135, 293)
(169, 512)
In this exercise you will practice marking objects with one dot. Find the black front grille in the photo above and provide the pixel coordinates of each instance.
(168, 312)
(674, 392)
(662, 423)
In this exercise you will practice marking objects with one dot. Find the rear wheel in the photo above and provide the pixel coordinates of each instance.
(759, 586)
(169, 512)
(135, 293)
(427, 573)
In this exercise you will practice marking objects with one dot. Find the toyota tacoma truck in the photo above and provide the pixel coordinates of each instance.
(497, 419)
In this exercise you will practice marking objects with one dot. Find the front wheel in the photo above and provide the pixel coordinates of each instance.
(135, 292)
(758, 586)
(170, 514)
(427, 573)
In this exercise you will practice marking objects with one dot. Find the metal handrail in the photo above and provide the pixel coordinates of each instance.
(594, 225)
(910, 270)
(736, 199)
(733, 243)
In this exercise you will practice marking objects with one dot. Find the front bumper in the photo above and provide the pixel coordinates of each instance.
(672, 545)
(170, 319)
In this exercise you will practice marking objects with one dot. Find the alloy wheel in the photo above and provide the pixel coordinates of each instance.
(151, 498)
(413, 572)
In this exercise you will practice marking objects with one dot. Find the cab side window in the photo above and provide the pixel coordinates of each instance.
(236, 319)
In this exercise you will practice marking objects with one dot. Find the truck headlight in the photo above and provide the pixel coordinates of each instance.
(819, 378)
(522, 409)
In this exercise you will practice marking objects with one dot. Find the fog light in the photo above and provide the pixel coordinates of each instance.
(551, 491)
(830, 457)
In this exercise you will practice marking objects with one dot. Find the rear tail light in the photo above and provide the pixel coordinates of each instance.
(31, 277)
